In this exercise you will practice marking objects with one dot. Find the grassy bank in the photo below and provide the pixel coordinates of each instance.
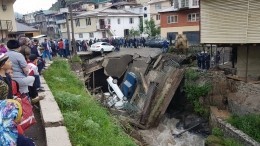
(249, 124)
(88, 123)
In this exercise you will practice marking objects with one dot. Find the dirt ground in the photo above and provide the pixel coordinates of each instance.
(37, 132)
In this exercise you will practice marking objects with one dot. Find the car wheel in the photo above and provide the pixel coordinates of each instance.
(102, 51)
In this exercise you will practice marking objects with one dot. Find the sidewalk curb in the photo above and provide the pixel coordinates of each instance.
(55, 131)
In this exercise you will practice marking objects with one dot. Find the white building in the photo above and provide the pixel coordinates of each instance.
(104, 23)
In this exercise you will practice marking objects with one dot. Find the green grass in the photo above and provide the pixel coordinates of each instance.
(87, 122)
(249, 124)
(218, 138)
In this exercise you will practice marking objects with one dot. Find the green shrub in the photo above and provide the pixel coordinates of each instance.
(194, 91)
(217, 132)
(249, 124)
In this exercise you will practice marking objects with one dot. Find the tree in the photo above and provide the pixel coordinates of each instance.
(151, 29)
(141, 26)
(134, 32)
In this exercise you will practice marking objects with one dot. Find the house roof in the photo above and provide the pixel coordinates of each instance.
(107, 11)
(22, 27)
(170, 9)
(156, 1)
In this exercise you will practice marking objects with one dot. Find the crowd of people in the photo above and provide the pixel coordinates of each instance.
(117, 42)
(21, 63)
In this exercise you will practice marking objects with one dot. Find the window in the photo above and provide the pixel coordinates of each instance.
(172, 19)
(184, 3)
(195, 2)
(63, 25)
(91, 35)
(108, 21)
(193, 17)
(80, 35)
(88, 21)
(118, 21)
(131, 20)
(158, 6)
(158, 17)
(77, 22)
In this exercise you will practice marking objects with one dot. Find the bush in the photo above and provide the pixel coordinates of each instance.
(249, 124)
(194, 91)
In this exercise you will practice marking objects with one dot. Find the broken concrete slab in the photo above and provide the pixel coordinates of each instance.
(50, 112)
(116, 67)
(57, 136)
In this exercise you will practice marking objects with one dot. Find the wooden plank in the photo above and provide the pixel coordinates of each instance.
(144, 83)
(94, 68)
(176, 80)
(147, 106)
(164, 97)
(235, 78)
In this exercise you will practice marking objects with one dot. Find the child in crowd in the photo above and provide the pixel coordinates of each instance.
(33, 71)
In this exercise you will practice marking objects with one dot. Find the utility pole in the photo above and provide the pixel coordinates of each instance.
(72, 31)
(68, 29)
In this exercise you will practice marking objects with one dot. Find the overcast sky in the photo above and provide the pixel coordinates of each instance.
(28, 6)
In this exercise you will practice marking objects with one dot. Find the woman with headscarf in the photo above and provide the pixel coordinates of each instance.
(10, 112)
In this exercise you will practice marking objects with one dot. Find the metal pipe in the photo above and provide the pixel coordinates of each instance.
(247, 51)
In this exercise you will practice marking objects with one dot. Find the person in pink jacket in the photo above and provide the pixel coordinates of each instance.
(3, 48)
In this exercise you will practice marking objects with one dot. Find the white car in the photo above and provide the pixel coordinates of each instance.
(102, 47)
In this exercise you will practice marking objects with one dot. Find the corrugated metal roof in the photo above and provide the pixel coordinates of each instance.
(229, 21)
(23, 28)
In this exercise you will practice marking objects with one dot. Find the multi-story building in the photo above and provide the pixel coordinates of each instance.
(45, 22)
(152, 8)
(29, 19)
(103, 23)
(182, 18)
(7, 19)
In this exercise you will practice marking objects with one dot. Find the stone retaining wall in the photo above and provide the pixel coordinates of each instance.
(56, 132)
(232, 132)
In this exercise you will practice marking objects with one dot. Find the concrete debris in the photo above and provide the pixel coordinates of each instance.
(116, 67)
(148, 85)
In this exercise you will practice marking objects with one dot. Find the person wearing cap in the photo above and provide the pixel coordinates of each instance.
(5, 79)
(10, 110)
(19, 66)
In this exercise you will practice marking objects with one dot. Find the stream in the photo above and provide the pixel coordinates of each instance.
(162, 135)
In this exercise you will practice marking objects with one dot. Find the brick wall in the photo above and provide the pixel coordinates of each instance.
(182, 18)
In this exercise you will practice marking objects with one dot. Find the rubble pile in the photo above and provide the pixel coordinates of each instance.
(140, 88)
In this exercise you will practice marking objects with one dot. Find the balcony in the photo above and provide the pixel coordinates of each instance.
(6, 25)
(103, 27)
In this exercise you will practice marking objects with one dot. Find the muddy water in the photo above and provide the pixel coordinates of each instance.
(162, 135)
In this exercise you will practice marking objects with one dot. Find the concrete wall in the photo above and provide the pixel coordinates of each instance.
(180, 30)
(85, 28)
(153, 11)
(9, 13)
(253, 62)
(118, 29)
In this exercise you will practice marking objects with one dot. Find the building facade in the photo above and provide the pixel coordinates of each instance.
(7, 19)
(103, 23)
(234, 24)
(182, 18)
